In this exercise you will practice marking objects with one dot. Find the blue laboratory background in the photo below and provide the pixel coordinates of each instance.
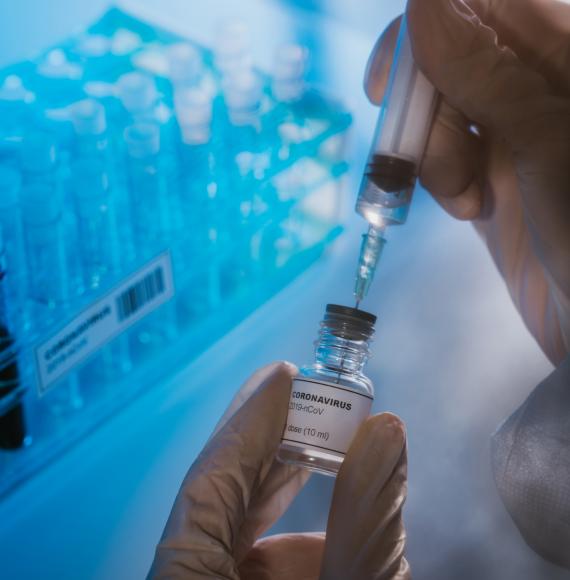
(451, 355)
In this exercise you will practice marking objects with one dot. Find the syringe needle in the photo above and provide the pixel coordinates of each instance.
(372, 244)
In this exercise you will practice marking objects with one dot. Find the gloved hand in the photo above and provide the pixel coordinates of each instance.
(236, 490)
(502, 67)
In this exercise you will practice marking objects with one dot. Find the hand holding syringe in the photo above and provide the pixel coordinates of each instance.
(406, 115)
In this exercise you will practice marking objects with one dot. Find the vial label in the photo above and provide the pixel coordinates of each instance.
(136, 296)
(324, 415)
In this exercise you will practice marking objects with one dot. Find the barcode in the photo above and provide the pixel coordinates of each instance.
(139, 294)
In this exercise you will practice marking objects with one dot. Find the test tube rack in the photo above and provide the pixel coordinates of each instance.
(236, 234)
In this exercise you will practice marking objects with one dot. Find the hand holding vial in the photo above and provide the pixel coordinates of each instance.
(236, 490)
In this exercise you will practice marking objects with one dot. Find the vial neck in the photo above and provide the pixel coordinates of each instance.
(340, 354)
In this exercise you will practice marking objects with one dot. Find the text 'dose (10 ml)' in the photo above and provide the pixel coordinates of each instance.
(332, 397)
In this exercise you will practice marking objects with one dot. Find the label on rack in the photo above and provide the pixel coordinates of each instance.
(324, 415)
(129, 301)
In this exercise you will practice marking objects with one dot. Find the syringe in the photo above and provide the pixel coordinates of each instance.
(406, 115)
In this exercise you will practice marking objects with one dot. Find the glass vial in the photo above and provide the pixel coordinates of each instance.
(332, 397)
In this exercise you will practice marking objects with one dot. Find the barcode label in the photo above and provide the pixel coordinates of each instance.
(140, 294)
(132, 299)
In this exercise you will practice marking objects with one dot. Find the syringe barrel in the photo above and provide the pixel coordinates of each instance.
(405, 119)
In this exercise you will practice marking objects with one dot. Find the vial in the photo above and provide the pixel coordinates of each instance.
(332, 397)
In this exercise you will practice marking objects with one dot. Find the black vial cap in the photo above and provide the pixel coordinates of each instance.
(349, 323)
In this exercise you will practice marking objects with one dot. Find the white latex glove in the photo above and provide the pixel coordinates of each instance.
(236, 490)
(504, 66)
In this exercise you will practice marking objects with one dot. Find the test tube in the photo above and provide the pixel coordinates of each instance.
(242, 94)
(247, 161)
(155, 207)
(287, 119)
(45, 238)
(148, 189)
(16, 284)
(142, 103)
(90, 127)
(42, 213)
(98, 243)
(200, 190)
(138, 95)
(193, 107)
(99, 248)
(245, 145)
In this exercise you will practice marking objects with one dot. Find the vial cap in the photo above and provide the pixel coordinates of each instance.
(13, 90)
(92, 45)
(88, 117)
(185, 63)
(124, 42)
(349, 323)
(56, 66)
